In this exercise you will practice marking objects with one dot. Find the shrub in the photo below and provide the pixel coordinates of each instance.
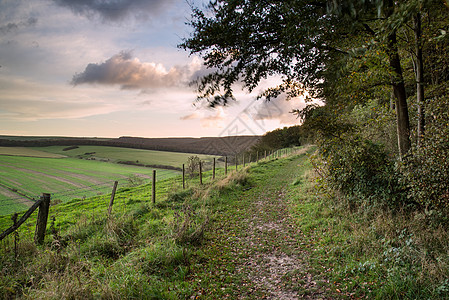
(362, 171)
(134, 180)
(193, 166)
(426, 170)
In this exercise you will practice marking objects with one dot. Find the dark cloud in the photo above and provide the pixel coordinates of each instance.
(10, 27)
(130, 73)
(115, 10)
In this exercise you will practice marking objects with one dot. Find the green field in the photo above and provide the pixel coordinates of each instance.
(115, 154)
(64, 178)
(77, 173)
(22, 151)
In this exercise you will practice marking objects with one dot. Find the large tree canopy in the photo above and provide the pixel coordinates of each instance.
(248, 41)
(334, 50)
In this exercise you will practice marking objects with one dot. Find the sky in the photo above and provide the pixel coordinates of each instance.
(111, 68)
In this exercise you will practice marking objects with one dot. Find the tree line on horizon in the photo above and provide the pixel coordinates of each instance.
(230, 145)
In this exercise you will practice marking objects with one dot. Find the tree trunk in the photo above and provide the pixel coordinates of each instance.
(419, 77)
(397, 81)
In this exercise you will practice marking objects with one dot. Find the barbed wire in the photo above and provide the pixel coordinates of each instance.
(81, 189)
(86, 189)
(14, 201)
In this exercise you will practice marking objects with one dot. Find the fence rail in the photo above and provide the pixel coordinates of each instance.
(44, 202)
(41, 226)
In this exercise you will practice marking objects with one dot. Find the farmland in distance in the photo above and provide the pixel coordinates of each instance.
(118, 154)
(77, 173)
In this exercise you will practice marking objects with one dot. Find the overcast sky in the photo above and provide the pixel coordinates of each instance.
(109, 68)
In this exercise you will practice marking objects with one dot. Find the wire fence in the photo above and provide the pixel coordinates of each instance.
(90, 202)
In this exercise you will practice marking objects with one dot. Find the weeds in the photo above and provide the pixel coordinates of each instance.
(189, 226)
(372, 251)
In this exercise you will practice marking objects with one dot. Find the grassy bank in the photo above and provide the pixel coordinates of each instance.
(369, 251)
(265, 231)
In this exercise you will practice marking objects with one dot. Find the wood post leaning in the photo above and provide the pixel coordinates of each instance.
(42, 217)
(111, 202)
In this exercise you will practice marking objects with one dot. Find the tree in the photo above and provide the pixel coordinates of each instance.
(302, 41)
(247, 41)
(311, 45)
(193, 166)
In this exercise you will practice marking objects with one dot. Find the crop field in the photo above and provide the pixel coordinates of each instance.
(23, 151)
(64, 178)
(115, 154)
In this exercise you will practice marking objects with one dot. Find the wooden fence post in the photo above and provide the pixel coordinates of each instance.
(265, 157)
(183, 177)
(111, 202)
(42, 216)
(257, 157)
(236, 162)
(153, 190)
(226, 165)
(201, 173)
(243, 159)
(213, 172)
(16, 235)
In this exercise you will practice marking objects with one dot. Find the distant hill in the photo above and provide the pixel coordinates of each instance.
(230, 145)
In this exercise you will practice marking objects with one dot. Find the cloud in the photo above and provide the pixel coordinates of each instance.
(191, 116)
(11, 27)
(278, 109)
(130, 73)
(115, 10)
(216, 120)
(208, 118)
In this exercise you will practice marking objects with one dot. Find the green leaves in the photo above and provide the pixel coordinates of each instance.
(248, 41)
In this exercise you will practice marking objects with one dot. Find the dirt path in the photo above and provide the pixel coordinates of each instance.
(276, 261)
(257, 246)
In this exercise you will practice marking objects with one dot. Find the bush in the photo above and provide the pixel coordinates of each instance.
(426, 171)
(189, 226)
(361, 170)
(193, 166)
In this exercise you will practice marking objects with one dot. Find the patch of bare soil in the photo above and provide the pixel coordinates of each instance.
(15, 196)
(276, 264)
(90, 179)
